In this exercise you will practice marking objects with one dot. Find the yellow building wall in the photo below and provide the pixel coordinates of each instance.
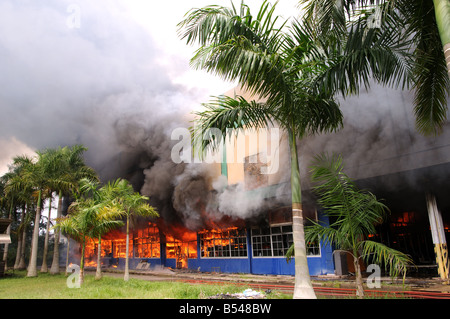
(251, 143)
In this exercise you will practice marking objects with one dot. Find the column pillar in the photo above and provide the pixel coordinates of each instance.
(438, 235)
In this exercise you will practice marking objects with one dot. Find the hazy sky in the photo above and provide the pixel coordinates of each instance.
(71, 71)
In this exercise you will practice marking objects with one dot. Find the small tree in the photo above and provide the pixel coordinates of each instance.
(356, 214)
(106, 211)
(89, 216)
(129, 203)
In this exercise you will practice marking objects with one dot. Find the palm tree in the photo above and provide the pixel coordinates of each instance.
(33, 174)
(38, 171)
(356, 214)
(70, 170)
(421, 27)
(44, 267)
(6, 200)
(108, 210)
(19, 186)
(89, 217)
(54, 181)
(272, 64)
(129, 203)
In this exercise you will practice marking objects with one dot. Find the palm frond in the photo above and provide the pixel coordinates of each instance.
(340, 197)
(393, 260)
(431, 80)
(404, 50)
(236, 45)
(311, 114)
(228, 115)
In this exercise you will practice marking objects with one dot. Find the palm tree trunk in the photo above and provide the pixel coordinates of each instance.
(303, 288)
(18, 251)
(358, 275)
(126, 276)
(82, 262)
(55, 262)
(67, 254)
(32, 266)
(8, 232)
(22, 265)
(98, 273)
(442, 11)
(20, 237)
(44, 267)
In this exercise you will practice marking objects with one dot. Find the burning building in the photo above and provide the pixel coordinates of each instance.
(235, 216)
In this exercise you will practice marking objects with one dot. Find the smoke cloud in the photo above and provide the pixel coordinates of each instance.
(87, 73)
(380, 138)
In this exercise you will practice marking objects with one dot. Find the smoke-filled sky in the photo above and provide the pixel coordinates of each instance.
(82, 71)
(114, 76)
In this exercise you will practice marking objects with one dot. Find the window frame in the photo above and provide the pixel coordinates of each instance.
(273, 235)
(229, 237)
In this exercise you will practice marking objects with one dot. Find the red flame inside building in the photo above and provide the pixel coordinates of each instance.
(178, 242)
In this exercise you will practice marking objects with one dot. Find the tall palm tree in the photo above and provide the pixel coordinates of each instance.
(287, 69)
(37, 171)
(421, 27)
(44, 267)
(129, 203)
(253, 50)
(71, 169)
(19, 188)
(54, 182)
(32, 176)
(356, 213)
(7, 203)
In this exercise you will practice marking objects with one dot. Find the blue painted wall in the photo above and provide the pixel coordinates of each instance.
(318, 265)
(228, 265)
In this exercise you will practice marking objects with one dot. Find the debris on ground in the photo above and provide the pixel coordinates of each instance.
(246, 294)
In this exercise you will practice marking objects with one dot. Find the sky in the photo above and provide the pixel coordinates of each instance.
(75, 71)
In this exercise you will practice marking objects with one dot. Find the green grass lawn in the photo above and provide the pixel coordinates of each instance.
(46, 286)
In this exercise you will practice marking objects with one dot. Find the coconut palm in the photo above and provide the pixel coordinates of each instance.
(130, 204)
(422, 28)
(356, 213)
